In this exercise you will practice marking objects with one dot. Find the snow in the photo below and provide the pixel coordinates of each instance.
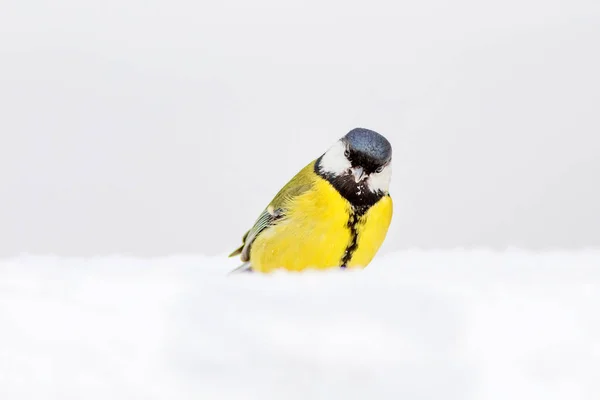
(414, 325)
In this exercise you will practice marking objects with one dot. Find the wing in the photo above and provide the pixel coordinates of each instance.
(276, 211)
(268, 218)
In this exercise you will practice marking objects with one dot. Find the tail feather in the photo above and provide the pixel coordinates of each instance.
(245, 267)
(237, 251)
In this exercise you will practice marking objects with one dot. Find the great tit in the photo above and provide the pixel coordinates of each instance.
(335, 213)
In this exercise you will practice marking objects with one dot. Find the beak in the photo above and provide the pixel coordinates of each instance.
(358, 173)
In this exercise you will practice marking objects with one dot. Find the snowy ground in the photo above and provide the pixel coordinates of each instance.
(414, 325)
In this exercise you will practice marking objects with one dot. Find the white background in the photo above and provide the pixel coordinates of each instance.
(153, 127)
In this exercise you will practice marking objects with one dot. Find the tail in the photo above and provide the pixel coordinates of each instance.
(237, 251)
(245, 267)
(241, 248)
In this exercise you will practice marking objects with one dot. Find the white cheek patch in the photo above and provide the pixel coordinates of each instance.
(334, 161)
(380, 181)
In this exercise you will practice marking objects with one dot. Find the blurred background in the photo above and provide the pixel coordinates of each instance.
(151, 128)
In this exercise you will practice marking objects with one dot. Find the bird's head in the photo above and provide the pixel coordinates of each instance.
(359, 164)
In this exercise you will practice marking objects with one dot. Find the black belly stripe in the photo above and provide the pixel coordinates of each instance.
(353, 221)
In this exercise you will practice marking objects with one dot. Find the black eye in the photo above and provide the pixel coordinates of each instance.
(378, 170)
(347, 153)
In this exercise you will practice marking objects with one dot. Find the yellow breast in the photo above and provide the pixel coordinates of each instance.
(372, 229)
(316, 234)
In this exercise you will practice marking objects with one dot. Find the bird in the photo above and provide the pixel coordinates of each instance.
(334, 213)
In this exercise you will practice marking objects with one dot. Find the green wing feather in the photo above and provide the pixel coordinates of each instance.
(276, 210)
